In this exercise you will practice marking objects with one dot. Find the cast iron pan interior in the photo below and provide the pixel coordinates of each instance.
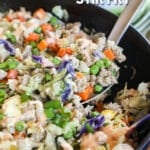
(136, 48)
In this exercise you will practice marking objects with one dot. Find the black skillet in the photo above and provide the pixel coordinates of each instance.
(137, 49)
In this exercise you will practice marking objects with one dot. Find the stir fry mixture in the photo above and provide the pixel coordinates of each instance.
(47, 68)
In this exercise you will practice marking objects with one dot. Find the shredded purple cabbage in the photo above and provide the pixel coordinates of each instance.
(67, 65)
(8, 46)
(96, 53)
(95, 123)
(37, 59)
(66, 93)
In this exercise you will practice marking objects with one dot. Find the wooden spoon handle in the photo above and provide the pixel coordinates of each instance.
(124, 20)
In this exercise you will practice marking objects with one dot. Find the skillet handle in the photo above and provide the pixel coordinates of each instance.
(124, 20)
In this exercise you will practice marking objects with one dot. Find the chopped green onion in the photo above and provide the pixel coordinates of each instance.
(68, 135)
(56, 61)
(2, 116)
(13, 64)
(9, 64)
(2, 95)
(20, 125)
(55, 104)
(3, 65)
(94, 69)
(79, 56)
(1, 100)
(54, 21)
(95, 113)
(49, 113)
(114, 73)
(98, 88)
(11, 37)
(89, 128)
(25, 98)
(33, 44)
(35, 51)
(38, 30)
(48, 76)
(99, 63)
(107, 62)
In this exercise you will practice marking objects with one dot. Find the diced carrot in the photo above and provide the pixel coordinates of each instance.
(69, 51)
(63, 51)
(21, 18)
(8, 18)
(32, 37)
(39, 13)
(54, 47)
(42, 46)
(109, 54)
(86, 94)
(18, 135)
(12, 74)
(79, 75)
(46, 27)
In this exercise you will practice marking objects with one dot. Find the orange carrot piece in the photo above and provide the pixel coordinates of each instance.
(18, 135)
(69, 51)
(12, 74)
(32, 37)
(54, 47)
(109, 54)
(79, 75)
(63, 51)
(8, 18)
(86, 94)
(46, 27)
(21, 18)
(42, 46)
(39, 13)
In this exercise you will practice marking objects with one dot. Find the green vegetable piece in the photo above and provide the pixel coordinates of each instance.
(99, 63)
(95, 113)
(55, 104)
(94, 69)
(114, 73)
(1, 100)
(12, 64)
(54, 21)
(89, 128)
(20, 126)
(68, 135)
(3, 65)
(25, 98)
(2, 116)
(107, 62)
(35, 51)
(38, 30)
(48, 76)
(49, 113)
(105, 124)
(56, 61)
(98, 88)
(33, 44)
(79, 56)
(11, 37)
(2, 93)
